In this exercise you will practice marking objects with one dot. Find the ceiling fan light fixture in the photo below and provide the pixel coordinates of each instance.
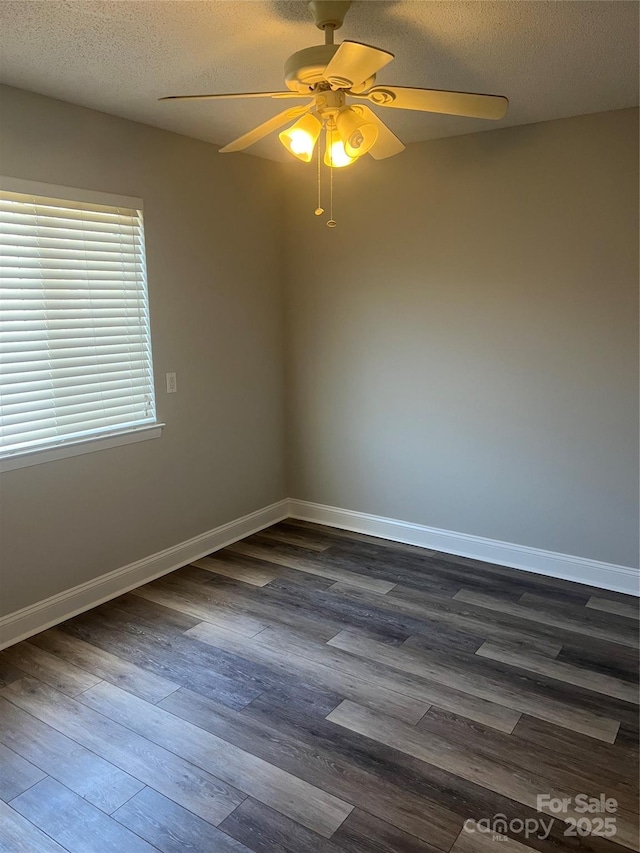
(300, 139)
(358, 134)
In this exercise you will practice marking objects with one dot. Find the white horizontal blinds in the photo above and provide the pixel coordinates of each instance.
(75, 349)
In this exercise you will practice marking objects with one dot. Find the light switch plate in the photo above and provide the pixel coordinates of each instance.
(172, 383)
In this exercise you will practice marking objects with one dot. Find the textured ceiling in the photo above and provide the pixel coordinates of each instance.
(552, 59)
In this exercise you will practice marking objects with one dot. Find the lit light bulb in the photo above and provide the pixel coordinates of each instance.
(300, 139)
(300, 142)
(336, 156)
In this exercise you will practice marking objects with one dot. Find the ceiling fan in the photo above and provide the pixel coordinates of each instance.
(332, 73)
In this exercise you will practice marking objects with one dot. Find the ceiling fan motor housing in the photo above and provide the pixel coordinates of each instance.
(305, 69)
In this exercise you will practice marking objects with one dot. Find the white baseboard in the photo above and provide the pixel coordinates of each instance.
(566, 566)
(37, 617)
(50, 611)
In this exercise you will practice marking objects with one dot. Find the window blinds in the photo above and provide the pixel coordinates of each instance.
(75, 348)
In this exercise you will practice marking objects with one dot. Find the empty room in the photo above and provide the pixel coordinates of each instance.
(319, 432)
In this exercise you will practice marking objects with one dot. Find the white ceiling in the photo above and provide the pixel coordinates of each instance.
(552, 59)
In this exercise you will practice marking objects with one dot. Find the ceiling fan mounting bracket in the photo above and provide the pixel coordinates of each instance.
(329, 13)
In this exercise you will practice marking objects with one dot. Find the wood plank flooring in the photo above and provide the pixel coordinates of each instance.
(311, 690)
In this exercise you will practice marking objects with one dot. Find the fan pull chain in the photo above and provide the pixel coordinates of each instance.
(319, 209)
(331, 222)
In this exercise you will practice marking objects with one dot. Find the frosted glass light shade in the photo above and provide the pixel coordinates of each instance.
(300, 139)
(335, 155)
(357, 134)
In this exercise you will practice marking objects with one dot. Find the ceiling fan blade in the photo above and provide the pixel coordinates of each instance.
(233, 95)
(438, 101)
(387, 144)
(353, 63)
(265, 128)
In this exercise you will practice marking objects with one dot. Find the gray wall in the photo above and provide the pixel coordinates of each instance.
(462, 348)
(215, 284)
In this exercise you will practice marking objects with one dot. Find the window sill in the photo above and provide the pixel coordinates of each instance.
(79, 446)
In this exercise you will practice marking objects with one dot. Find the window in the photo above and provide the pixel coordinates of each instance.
(75, 348)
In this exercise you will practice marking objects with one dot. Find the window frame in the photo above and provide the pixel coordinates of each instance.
(78, 445)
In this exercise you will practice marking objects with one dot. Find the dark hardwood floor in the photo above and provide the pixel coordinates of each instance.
(310, 690)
